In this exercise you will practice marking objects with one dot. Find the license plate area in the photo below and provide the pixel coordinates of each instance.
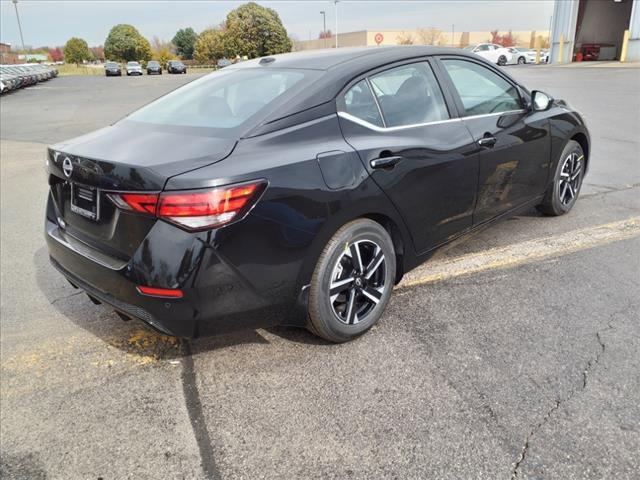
(85, 201)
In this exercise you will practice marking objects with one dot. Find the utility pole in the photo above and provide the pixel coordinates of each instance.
(324, 28)
(335, 6)
(15, 4)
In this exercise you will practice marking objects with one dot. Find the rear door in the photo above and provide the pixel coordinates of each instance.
(513, 142)
(415, 149)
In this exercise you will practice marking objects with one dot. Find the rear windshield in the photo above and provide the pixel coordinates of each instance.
(225, 99)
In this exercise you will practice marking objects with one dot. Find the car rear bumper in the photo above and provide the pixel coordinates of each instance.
(217, 296)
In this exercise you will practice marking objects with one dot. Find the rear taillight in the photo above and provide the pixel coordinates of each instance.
(159, 292)
(195, 209)
(136, 202)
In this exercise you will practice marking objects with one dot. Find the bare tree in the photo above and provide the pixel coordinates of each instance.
(431, 36)
(405, 39)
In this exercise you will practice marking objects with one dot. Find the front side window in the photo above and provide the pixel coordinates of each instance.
(222, 100)
(409, 95)
(481, 90)
(359, 102)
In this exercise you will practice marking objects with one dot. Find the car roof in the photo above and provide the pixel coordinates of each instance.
(327, 59)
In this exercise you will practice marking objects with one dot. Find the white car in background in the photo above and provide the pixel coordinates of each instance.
(492, 52)
(133, 68)
(522, 55)
(544, 56)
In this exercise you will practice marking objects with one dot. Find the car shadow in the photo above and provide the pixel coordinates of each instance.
(133, 337)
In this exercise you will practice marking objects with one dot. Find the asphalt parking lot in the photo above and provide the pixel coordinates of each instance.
(514, 354)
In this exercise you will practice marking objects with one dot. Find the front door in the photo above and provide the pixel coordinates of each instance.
(513, 143)
(423, 159)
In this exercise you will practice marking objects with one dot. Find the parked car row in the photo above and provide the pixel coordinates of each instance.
(13, 77)
(135, 68)
(507, 55)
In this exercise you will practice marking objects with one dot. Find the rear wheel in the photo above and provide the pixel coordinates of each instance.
(352, 281)
(502, 60)
(562, 195)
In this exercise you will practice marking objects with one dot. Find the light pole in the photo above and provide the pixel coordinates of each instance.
(15, 4)
(335, 5)
(324, 28)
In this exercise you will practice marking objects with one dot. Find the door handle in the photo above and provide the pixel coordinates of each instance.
(487, 141)
(385, 162)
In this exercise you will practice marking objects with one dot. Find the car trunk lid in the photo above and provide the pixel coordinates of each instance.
(127, 157)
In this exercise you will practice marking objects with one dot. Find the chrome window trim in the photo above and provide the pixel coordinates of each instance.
(373, 127)
(520, 110)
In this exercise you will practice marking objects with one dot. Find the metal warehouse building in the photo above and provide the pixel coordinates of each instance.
(595, 30)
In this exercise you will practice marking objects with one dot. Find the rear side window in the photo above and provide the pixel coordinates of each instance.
(481, 90)
(359, 102)
(409, 95)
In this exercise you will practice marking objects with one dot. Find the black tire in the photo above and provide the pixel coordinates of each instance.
(560, 198)
(338, 258)
(522, 60)
(502, 60)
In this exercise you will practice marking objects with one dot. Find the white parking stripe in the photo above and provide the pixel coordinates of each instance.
(522, 253)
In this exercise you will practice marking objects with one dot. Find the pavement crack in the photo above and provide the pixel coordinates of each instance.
(55, 300)
(594, 361)
(545, 419)
(196, 414)
(608, 190)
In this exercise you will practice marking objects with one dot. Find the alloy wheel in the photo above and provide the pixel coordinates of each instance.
(570, 177)
(357, 281)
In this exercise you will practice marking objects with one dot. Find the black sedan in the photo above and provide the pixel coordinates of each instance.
(176, 66)
(112, 69)
(154, 68)
(298, 189)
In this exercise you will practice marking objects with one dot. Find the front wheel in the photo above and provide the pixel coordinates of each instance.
(563, 193)
(352, 281)
(521, 61)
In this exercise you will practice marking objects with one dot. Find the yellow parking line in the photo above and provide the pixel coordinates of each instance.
(522, 253)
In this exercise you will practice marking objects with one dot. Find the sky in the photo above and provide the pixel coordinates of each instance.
(53, 22)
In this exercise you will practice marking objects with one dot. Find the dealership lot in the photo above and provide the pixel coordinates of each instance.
(512, 355)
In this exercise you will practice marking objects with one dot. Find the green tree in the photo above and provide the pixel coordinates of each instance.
(210, 47)
(124, 43)
(76, 51)
(184, 41)
(255, 31)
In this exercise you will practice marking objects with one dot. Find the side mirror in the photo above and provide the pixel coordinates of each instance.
(540, 101)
